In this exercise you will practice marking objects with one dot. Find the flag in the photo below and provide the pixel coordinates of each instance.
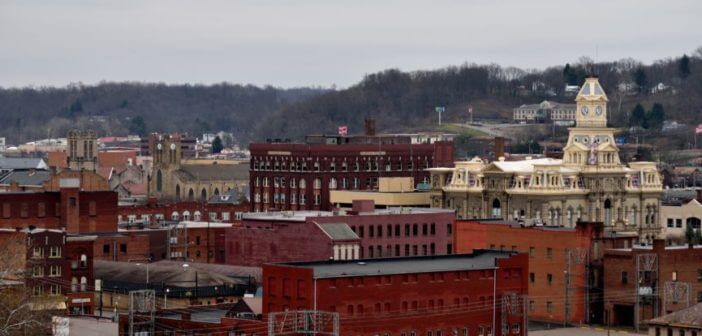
(698, 130)
(343, 130)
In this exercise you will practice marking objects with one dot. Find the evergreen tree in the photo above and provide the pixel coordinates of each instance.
(217, 145)
(684, 66)
(656, 116)
(640, 79)
(638, 116)
(137, 126)
(698, 237)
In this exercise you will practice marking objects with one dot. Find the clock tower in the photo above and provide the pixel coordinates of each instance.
(591, 105)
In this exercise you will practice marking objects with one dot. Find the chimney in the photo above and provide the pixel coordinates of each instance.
(658, 245)
(499, 147)
(370, 126)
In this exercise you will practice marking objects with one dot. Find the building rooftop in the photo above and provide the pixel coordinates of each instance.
(686, 318)
(338, 231)
(22, 163)
(479, 259)
(301, 216)
(26, 177)
(213, 172)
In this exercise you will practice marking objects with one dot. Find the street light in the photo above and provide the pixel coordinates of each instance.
(165, 297)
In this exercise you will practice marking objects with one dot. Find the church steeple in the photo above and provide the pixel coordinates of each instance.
(591, 105)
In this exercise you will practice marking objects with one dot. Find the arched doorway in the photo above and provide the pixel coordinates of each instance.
(203, 195)
(693, 222)
(191, 195)
(607, 212)
(496, 208)
(177, 192)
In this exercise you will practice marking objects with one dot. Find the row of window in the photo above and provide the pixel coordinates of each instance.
(367, 165)
(54, 252)
(692, 222)
(429, 306)
(7, 210)
(409, 230)
(54, 289)
(54, 271)
(175, 216)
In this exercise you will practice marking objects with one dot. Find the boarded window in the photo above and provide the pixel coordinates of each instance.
(24, 210)
(92, 206)
(41, 209)
(286, 287)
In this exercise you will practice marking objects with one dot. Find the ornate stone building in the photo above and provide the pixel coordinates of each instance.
(590, 183)
(175, 179)
(82, 150)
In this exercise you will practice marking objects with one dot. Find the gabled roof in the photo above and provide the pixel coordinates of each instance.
(687, 318)
(338, 231)
(213, 172)
(22, 163)
(591, 90)
(26, 177)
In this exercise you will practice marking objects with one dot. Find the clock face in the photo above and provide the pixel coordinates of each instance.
(172, 146)
(584, 110)
(159, 146)
(598, 110)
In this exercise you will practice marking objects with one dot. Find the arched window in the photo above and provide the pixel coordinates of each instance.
(74, 284)
(317, 183)
(83, 260)
(303, 184)
(83, 283)
(203, 195)
(178, 192)
(693, 222)
(186, 215)
(332, 183)
(191, 195)
(496, 208)
(159, 181)
(174, 216)
(608, 212)
(197, 216)
(216, 192)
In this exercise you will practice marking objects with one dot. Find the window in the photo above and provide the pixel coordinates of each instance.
(532, 305)
(38, 290)
(449, 229)
(55, 289)
(549, 306)
(671, 222)
(38, 271)
(625, 278)
(515, 328)
(54, 271)
(549, 253)
(531, 277)
(123, 248)
(55, 252)
(532, 252)
(37, 252)
(549, 278)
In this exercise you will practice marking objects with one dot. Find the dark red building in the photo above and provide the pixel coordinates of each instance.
(370, 233)
(57, 268)
(298, 176)
(666, 279)
(433, 295)
(70, 208)
(154, 212)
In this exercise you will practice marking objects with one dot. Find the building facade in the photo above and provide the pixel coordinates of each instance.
(676, 219)
(552, 250)
(377, 233)
(469, 294)
(545, 111)
(589, 184)
(646, 282)
(174, 179)
(287, 176)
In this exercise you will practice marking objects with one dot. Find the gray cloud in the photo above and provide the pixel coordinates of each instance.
(322, 42)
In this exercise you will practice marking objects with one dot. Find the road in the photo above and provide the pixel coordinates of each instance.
(92, 327)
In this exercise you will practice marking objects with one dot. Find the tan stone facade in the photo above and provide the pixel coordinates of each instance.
(175, 179)
(589, 184)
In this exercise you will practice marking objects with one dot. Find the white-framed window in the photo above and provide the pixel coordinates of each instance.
(145, 219)
(213, 216)
(37, 252)
(197, 216)
(225, 216)
(238, 215)
(55, 252)
(175, 216)
(54, 289)
(55, 271)
(38, 290)
(38, 271)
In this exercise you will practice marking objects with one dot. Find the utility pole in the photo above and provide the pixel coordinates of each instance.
(440, 109)
(646, 277)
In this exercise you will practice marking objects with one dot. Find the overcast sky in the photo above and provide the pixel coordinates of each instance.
(323, 42)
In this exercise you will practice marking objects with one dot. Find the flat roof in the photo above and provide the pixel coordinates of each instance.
(301, 216)
(479, 259)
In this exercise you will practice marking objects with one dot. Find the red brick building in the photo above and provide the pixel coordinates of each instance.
(70, 208)
(297, 176)
(433, 295)
(57, 268)
(556, 254)
(297, 236)
(154, 212)
(678, 266)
